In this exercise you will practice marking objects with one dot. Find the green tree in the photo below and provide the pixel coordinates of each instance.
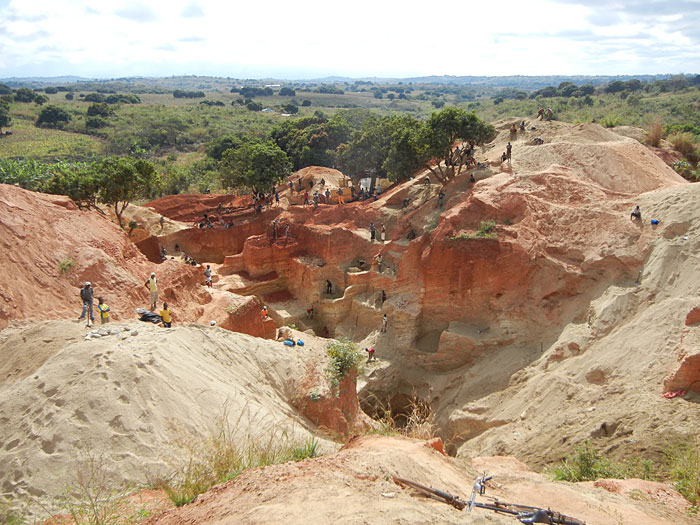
(53, 117)
(215, 149)
(405, 155)
(287, 92)
(364, 155)
(5, 90)
(41, 99)
(5, 115)
(123, 179)
(442, 135)
(99, 110)
(80, 182)
(256, 165)
(25, 95)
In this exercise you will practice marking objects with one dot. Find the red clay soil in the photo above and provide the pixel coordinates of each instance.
(41, 234)
(186, 207)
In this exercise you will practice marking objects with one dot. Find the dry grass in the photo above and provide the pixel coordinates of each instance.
(655, 133)
(223, 455)
(683, 143)
(418, 422)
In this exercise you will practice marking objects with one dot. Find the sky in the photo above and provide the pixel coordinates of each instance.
(359, 38)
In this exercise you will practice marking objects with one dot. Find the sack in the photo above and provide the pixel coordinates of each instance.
(300, 342)
(288, 343)
(655, 221)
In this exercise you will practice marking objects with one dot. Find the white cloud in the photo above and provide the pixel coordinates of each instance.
(314, 37)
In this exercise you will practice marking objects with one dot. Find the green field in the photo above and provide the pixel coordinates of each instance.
(177, 129)
(28, 141)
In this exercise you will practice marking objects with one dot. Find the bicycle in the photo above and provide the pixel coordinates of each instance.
(524, 513)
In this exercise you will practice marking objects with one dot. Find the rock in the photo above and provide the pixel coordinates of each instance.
(134, 332)
(693, 316)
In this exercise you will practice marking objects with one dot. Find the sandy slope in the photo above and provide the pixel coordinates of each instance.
(130, 397)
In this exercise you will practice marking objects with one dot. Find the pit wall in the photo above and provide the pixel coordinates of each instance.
(209, 245)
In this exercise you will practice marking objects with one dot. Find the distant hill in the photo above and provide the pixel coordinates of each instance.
(208, 82)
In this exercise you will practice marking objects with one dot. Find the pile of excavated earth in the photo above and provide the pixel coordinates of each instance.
(565, 321)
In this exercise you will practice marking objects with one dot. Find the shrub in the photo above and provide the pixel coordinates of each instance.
(683, 144)
(53, 117)
(95, 123)
(655, 133)
(417, 421)
(586, 465)
(610, 121)
(69, 96)
(306, 103)
(25, 95)
(487, 229)
(93, 497)
(344, 358)
(685, 169)
(684, 469)
(65, 265)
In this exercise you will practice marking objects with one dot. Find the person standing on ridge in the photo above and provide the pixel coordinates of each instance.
(385, 322)
(372, 231)
(329, 287)
(509, 148)
(152, 285)
(87, 295)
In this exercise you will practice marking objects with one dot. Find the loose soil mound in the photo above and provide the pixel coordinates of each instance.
(135, 397)
(356, 485)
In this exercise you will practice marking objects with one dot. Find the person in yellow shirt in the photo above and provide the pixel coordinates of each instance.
(166, 316)
(152, 286)
(104, 310)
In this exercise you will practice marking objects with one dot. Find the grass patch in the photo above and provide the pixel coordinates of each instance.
(344, 357)
(611, 121)
(487, 230)
(65, 265)
(223, 456)
(680, 466)
(28, 141)
(683, 462)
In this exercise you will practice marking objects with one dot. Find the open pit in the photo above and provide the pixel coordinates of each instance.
(474, 320)
(567, 324)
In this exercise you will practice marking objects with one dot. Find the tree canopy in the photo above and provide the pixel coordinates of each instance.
(443, 132)
(53, 117)
(255, 164)
(397, 146)
(123, 179)
(5, 116)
